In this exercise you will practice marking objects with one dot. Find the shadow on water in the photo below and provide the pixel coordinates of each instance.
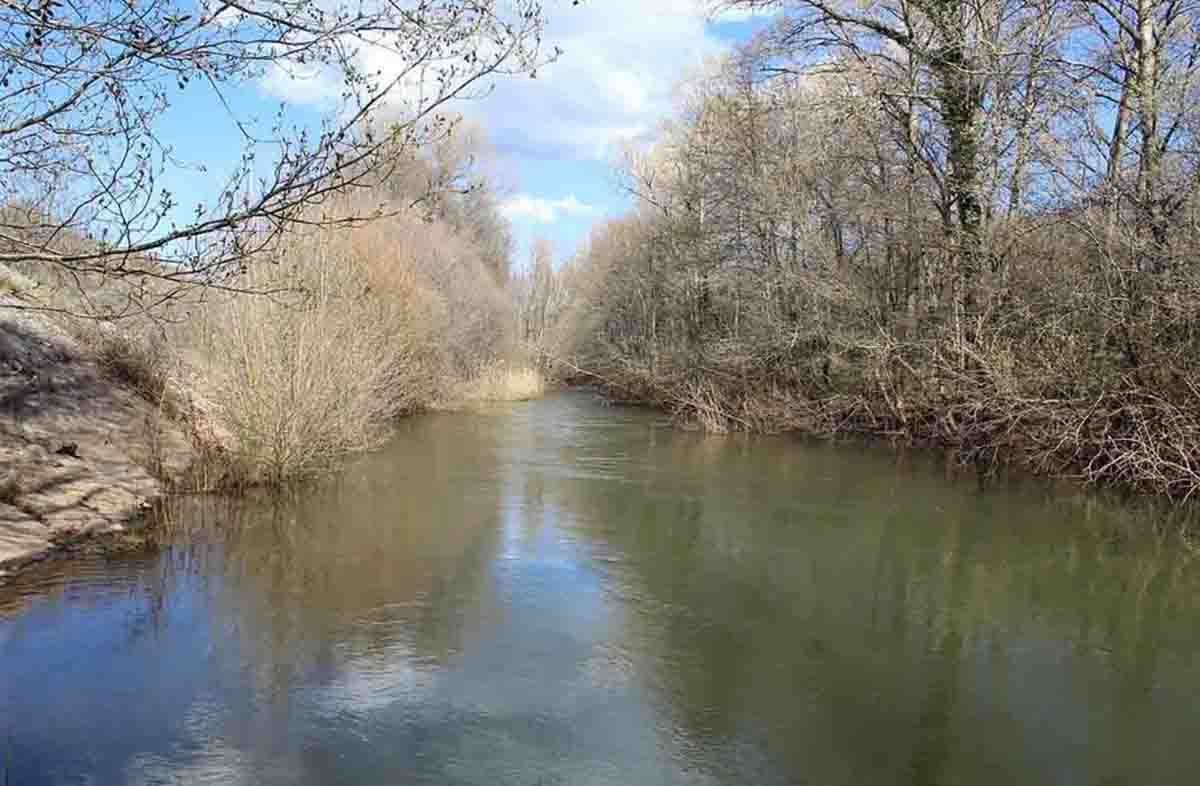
(559, 593)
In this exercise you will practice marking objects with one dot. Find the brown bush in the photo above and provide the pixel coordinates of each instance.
(360, 325)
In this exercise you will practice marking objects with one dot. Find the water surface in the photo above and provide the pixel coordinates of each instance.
(563, 593)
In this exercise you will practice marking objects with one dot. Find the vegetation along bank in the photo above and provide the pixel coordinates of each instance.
(855, 223)
(346, 265)
(889, 225)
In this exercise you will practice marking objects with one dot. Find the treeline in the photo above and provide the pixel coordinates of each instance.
(970, 223)
(368, 321)
(391, 300)
(342, 262)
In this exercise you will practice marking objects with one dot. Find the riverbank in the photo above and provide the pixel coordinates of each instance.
(766, 280)
(119, 384)
(1123, 436)
(81, 453)
(89, 440)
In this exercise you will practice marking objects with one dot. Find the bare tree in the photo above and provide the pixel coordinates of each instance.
(541, 296)
(84, 168)
(1141, 61)
(944, 65)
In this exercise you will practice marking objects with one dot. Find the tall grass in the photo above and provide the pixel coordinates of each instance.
(502, 381)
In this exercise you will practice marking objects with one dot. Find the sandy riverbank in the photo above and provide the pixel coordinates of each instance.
(80, 453)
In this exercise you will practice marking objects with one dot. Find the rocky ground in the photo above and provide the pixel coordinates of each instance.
(81, 454)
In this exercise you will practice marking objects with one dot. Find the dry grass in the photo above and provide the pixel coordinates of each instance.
(10, 487)
(501, 381)
(137, 360)
(14, 281)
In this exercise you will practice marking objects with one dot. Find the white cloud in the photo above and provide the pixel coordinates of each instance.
(298, 84)
(615, 79)
(545, 211)
(615, 82)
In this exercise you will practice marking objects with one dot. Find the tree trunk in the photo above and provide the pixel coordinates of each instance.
(1150, 166)
(959, 107)
(1116, 148)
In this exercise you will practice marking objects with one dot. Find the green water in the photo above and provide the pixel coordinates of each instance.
(559, 592)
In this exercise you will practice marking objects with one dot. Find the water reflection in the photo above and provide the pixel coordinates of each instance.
(560, 593)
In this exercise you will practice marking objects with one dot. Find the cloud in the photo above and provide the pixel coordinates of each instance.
(537, 210)
(613, 82)
(615, 79)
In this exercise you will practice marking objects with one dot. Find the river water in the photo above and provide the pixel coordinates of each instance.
(558, 592)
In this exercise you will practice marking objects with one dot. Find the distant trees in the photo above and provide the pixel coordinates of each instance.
(965, 221)
(540, 293)
(83, 163)
(450, 180)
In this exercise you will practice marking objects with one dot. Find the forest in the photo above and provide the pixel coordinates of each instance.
(970, 224)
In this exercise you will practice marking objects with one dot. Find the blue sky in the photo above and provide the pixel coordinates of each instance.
(555, 139)
(559, 136)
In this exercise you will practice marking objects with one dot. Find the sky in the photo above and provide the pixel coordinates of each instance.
(560, 135)
(555, 139)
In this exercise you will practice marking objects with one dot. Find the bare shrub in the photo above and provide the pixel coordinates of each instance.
(10, 487)
(298, 379)
(137, 360)
(365, 323)
(474, 327)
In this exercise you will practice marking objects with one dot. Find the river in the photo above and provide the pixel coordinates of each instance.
(559, 592)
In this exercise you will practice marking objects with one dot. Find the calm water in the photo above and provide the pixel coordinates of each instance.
(562, 593)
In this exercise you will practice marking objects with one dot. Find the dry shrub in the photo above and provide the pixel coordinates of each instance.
(360, 325)
(133, 358)
(10, 487)
(476, 326)
(311, 352)
(297, 379)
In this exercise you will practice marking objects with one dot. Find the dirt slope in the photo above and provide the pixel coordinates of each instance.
(79, 452)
